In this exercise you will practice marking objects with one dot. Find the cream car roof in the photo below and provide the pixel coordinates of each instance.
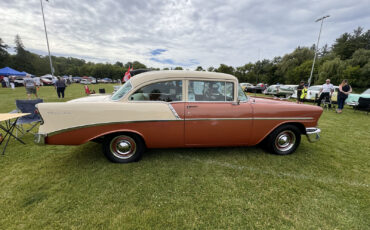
(181, 74)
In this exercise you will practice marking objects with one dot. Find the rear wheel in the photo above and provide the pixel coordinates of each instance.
(284, 140)
(123, 148)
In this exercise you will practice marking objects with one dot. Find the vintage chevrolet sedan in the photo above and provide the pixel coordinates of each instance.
(172, 109)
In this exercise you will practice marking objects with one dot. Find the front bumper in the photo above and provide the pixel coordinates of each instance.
(40, 138)
(313, 134)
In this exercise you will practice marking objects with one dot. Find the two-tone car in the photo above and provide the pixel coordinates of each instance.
(174, 109)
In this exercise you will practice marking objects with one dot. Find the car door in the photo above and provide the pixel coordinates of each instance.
(166, 131)
(213, 117)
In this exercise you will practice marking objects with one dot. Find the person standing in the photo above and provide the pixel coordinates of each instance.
(299, 92)
(3, 84)
(30, 86)
(6, 79)
(60, 86)
(304, 93)
(344, 91)
(12, 84)
(325, 92)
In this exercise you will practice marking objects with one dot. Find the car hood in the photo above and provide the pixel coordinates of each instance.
(92, 98)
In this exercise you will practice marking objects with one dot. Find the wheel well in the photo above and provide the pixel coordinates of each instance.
(101, 138)
(300, 126)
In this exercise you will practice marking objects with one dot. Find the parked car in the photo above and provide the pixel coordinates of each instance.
(106, 80)
(353, 97)
(313, 93)
(280, 90)
(93, 80)
(246, 86)
(48, 79)
(172, 109)
(19, 81)
(85, 81)
(76, 79)
(260, 87)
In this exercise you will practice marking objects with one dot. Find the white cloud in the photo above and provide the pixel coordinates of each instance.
(233, 32)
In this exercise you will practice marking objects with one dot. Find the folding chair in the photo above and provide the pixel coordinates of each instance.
(27, 106)
(327, 103)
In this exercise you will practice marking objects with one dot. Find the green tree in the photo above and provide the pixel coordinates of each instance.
(347, 44)
(211, 69)
(301, 72)
(225, 69)
(333, 70)
(4, 55)
(199, 68)
(178, 68)
(23, 58)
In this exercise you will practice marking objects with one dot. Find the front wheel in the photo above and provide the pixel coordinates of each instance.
(123, 148)
(284, 140)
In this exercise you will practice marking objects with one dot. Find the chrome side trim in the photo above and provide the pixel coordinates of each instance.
(179, 119)
(250, 118)
(283, 118)
(174, 112)
(313, 134)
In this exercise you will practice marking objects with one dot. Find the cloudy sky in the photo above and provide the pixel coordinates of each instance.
(169, 33)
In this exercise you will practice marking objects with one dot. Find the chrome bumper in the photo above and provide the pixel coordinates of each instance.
(40, 138)
(313, 134)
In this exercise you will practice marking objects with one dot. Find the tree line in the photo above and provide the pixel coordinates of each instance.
(348, 58)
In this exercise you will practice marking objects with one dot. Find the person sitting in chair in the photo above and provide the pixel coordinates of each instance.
(326, 92)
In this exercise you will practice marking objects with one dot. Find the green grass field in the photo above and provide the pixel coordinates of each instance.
(325, 185)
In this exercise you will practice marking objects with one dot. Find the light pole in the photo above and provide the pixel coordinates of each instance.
(317, 47)
(47, 40)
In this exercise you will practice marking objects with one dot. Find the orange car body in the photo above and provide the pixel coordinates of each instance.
(172, 123)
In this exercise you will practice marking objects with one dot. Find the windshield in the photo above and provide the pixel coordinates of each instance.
(366, 91)
(122, 91)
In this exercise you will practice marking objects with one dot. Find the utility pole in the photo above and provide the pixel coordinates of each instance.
(317, 47)
(47, 40)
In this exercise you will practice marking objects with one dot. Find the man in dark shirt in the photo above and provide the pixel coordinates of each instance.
(299, 92)
(60, 85)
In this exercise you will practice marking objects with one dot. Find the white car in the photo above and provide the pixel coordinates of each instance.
(48, 79)
(85, 82)
(313, 92)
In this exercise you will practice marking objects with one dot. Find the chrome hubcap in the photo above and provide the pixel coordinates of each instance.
(123, 147)
(285, 140)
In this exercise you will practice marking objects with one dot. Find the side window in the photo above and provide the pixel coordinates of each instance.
(241, 95)
(210, 91)
(159, 91)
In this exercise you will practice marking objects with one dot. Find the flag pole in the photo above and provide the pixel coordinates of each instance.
(47, 40)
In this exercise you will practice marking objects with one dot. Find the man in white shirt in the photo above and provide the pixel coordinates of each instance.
(326, 92)
(30, 86)
(6, 79)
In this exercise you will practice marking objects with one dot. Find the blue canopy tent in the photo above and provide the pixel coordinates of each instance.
(25, 73)
(10, 72)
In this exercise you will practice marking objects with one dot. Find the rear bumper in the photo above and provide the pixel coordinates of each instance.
(313, 134)
(40, 138)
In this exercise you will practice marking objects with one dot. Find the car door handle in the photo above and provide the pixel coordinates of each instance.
(191, 106)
